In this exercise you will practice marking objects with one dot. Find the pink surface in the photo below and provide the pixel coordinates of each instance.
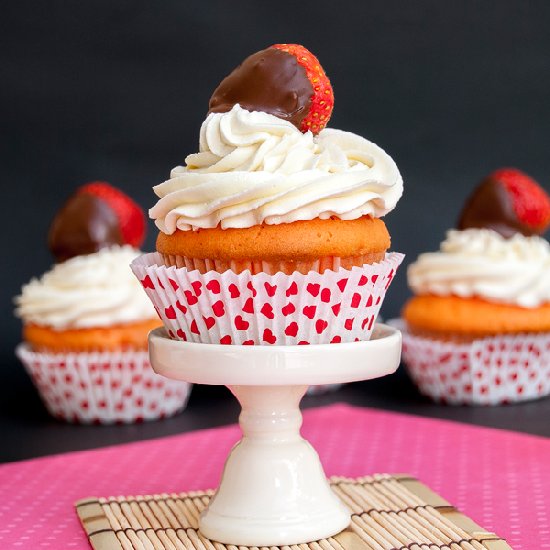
(500, 479)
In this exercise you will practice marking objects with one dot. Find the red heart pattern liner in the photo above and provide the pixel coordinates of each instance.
(103, 387)
(493, 371)
(229, 308)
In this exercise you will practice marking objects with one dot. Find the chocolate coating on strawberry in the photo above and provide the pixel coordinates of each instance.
(509, 202)
(84, 225)
(270, 81)
(285, 80)
(97, 216)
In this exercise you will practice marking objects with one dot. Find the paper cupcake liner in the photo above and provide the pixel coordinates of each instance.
(102, 387)
(245, 309)
(489, 371)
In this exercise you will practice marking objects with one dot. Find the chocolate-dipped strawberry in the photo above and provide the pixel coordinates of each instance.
(285, 80)
(507, 201)
(97, 216)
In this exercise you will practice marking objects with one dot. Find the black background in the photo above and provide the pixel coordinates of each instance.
(117, 90)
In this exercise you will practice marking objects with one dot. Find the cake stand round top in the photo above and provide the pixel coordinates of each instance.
(230, 365)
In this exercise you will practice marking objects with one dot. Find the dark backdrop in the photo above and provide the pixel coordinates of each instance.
(117, 90)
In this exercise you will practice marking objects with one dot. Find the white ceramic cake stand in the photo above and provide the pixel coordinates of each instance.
(273, 490)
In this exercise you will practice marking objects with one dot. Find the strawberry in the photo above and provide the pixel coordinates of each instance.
(129, 214)
(529, 200)
(508, 202)
(322, 100)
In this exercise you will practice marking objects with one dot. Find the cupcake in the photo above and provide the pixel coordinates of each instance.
(271, 233)
(86, 321)
(478, 326)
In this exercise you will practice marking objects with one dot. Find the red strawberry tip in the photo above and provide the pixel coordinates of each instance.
(322, 100)
(130, 215)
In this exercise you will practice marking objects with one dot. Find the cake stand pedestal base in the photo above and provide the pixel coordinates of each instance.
(273, 485)
(273, 490)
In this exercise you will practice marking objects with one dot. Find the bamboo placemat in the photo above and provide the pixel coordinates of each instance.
(389, 513)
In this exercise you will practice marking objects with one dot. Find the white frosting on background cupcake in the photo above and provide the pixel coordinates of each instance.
(94, 290)
(482, 263)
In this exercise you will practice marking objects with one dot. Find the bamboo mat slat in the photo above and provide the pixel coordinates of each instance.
(390, 512)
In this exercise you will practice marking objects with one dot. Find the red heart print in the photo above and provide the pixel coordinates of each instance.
(292, 290)
(267, 310)
(269, 337)
(288, 309)
(313, 289)
(342, 284)
(197, 287)
(213, 286)
(303, 343)
(170, 313)
(355, 299)
(378, 300)
(171, 334)
(389, 278)
(181, 334)
(363, 280)
(225, 339)
(270, 289)
(194, 329)
(336, 340)
(309, 311)
(181, 307)
(175, 285)
(370, 323)
(218, 309)
(336, 309)
(248, 306)
(234, 291)
(251, 288)
(365, 321)
(369, 301)
(209, 322)
(240, 323)
(160, 284)
(147, 282)
(292, 329)
(320, 325)
(325, 295)
(190, 297)
(374, 278)
(348, 325)
(248, 343)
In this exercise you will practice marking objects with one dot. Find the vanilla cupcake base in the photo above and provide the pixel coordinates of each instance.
(103, 387)
(495, 370)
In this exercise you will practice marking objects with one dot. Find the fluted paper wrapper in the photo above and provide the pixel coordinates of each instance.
(244, 309)
(489, 371)
(103, 387)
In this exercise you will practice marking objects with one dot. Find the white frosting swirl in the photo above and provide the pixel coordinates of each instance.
(482, 263)
(95, 290)
(255, 168)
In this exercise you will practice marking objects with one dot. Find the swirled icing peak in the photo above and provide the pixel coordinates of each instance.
(94, 290)
(255, 168)
(482, 263)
